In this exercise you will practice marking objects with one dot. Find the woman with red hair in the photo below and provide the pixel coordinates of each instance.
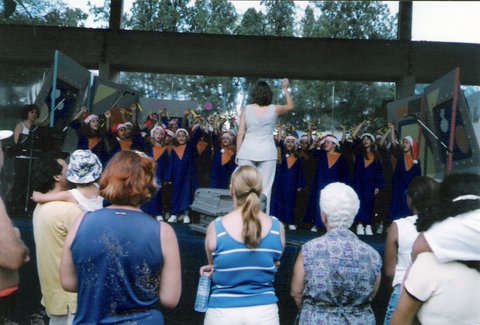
(123, 263)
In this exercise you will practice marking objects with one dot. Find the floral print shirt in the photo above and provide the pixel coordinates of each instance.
(340, 274)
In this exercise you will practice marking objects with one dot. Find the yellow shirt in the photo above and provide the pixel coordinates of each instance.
(51, 222)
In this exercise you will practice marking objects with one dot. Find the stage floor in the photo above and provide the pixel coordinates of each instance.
(192, 257)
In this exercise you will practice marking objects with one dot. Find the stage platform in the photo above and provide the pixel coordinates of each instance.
(30, 311)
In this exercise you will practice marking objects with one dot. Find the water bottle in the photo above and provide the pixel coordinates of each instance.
(203, 292)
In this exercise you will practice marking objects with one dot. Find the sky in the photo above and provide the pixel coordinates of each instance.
(443, 21)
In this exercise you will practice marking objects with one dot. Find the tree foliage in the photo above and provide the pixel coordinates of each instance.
(43, 12)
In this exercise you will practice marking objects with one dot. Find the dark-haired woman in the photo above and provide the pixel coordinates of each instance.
(441, 287)
(243, 249)
(22, 139)
(401, 236)
(90, 134)
(255, 142)
(122, 277)
(367, 179)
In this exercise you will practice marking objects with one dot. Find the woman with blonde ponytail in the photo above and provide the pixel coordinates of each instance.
(243, 250)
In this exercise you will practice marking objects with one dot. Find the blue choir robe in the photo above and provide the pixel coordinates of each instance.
(100, 149)
(324, 175)
(220, 174)
(285, 187)
(400, 181)
(154, 205)
(182, 174)
(365, 180)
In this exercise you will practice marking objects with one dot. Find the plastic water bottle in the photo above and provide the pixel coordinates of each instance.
(203, 292)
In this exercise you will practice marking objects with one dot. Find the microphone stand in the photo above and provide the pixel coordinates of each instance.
(419, 121)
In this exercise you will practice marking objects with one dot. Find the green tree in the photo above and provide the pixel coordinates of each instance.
(252, 23)
(355, 20)
(43, 12)
(280, 17)
(159, 15)
(353, 101)
(213, 17)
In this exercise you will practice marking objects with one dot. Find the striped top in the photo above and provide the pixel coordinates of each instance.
(242, 276)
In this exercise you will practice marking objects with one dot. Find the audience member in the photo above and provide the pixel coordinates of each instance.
(441, 290)
(243, 250)
(122, 262)
(83, 170)
(51, 223)
(337, 275)
(13, 254)
(401, 236)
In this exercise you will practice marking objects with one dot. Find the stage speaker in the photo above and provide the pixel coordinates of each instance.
(211, 203)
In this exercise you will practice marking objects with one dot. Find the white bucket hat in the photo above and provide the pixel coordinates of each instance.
(84, 167)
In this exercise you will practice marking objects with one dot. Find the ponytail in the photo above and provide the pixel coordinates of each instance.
(247, 186)
(252, 228)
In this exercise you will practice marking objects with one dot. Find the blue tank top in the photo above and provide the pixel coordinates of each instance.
(242, 276)
(118, 257)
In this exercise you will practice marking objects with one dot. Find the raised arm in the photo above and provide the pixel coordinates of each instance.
(358, 129)
(171, 276)
(241, 130)
(82, 111)
(282, 109)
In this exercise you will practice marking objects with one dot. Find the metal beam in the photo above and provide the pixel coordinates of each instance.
(227, 55)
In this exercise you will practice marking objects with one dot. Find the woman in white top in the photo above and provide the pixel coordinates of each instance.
(434, 291)
(401, 236)
(255, 143)
(30, 114)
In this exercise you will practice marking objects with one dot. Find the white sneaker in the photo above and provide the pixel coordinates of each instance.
(173, 218)
(186, 219)
(368, 230)
(360, 229)
(380, 229)
(314, 229)
(159, 218)
(292, 227)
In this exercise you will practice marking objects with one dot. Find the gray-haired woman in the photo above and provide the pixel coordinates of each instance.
(337, 275)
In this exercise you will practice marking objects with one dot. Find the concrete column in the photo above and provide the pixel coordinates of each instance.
(105, 71)
(404, 26)
(405, 86)
(116, 10)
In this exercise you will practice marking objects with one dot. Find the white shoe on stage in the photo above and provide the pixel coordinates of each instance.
(173, 218)
(292, 227)
(314, 229)
(360, 229)
(186, 219)
(159, 218)
(368, 230)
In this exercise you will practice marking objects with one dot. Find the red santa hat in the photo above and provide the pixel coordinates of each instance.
(369, 135)
(152, 131)
(414, 146)
(117, 126)
(332, 138)
(181, 130)
(169, 133)
(229, 133)
(89, 117)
